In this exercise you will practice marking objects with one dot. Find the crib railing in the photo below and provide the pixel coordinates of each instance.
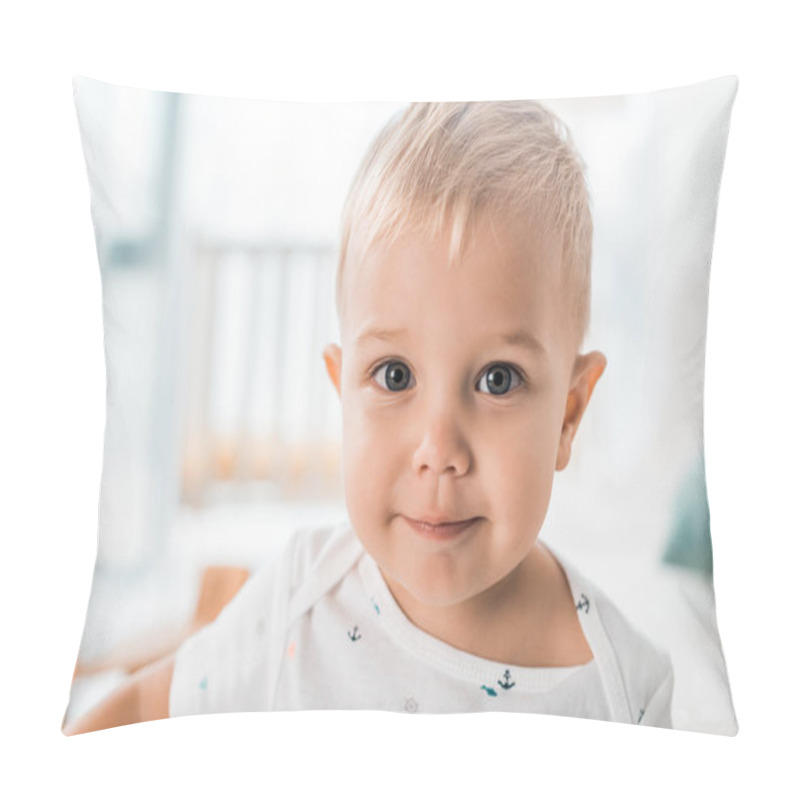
(261, 419)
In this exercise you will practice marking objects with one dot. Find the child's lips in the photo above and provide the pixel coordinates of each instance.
(440, 531)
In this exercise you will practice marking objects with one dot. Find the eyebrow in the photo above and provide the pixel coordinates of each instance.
(380, 334)
(520, 338)
(523, 338)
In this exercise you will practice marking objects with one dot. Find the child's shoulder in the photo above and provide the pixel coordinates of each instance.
(317, 557)
(305, 559)
(233, 663)
(615, 641)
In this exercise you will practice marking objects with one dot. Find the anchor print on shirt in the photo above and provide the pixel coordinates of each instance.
(354, 634)
(583, 603)
(506, 683)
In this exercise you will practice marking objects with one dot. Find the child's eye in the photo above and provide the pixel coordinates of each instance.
(500, 379)
(396, 374)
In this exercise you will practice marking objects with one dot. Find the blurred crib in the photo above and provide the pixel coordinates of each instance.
(260, 419)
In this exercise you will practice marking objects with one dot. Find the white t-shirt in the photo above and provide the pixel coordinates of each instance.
(319, 629)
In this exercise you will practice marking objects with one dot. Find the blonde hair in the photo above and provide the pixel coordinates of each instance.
(440, 164)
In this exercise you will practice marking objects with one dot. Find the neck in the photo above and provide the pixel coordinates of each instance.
(508, 623)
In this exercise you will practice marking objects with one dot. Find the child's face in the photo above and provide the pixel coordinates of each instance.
(461, 392)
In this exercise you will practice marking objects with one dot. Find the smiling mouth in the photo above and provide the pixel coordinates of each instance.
(440, 531)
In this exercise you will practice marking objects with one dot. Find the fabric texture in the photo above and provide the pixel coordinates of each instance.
(319, 629)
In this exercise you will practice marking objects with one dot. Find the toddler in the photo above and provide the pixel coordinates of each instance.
(463, 293)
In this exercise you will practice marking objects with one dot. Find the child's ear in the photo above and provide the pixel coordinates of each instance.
(585, 374)
(333, 363)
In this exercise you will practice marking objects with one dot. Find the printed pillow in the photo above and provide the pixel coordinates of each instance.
(404, 407)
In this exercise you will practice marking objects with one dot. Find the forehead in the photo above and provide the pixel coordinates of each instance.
(505, 278)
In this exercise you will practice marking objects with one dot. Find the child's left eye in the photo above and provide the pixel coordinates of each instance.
(500, 379)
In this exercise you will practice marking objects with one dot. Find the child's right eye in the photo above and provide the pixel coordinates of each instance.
(396, 376)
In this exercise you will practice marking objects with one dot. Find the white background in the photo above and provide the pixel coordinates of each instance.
(53, 400)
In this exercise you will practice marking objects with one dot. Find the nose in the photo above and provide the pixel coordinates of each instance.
(443, 448)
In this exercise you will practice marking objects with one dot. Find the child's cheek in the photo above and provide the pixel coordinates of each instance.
(519, 457)
(372, 436)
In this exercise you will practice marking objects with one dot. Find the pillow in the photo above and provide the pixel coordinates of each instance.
(242, 560)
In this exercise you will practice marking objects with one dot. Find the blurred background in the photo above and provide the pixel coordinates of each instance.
(216, 223)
